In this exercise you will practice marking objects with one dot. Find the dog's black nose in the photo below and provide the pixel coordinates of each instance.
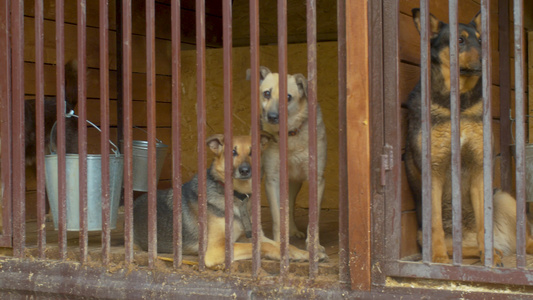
(273, 117)
(245, 170)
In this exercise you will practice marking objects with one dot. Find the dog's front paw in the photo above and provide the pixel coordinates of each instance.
(497, 257)
(297, 254)
(440, 259)
(293, 231)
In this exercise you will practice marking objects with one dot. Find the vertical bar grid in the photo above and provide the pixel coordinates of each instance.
(104, 123)
(60, 97)
(151, 101)
(228, 130)
(128, 135)
(518, 15)
(456, 131)
(256, 155)
(201, 123)
(487, 130)
(82, 126)
(283, 140)
(313, 238)
(425, 68)
(39, 130)
(176, 130)
(19, 182)
(5, 126)
(344, 265)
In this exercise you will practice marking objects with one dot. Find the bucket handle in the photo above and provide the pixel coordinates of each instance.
(158, 140)
(71, 114)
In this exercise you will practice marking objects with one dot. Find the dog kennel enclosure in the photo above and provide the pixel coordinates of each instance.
(150, 64)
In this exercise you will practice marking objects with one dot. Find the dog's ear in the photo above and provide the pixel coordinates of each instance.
(263, 72)
(301, 82)
(434, 24)
(266, 138)
(216, 143)
(476, 21)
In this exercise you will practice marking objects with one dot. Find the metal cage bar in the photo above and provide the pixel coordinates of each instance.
(455, 112)
(344, 266)
(104, 124)
(201, 124)
(255, 128)
(5, 123)
(521, 221)
(176, 130)
(283, 140)
(425, 73)
(61, 142)
(39, 129)
(314, 209)
(486, 61)
(228, 130)
(127, 110)
(151, 101)
(17, 75)
(82, 127)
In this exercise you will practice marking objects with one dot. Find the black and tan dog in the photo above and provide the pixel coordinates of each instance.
(471, 120)
(298, 145)
(242, 184)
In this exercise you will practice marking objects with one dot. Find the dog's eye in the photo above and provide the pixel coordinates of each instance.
(479, 41)
(461, 40)
(289, 97)
(266, 94)
(235, 152)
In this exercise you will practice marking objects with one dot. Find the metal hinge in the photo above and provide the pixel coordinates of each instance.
(387, 162)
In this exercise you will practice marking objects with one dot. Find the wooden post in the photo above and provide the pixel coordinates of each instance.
(358, 141)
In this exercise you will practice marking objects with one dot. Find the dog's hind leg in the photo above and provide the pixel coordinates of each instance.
(477, 198)
(439, 254)
(294, 189)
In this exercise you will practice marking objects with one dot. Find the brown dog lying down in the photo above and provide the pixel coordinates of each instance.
(242, 184)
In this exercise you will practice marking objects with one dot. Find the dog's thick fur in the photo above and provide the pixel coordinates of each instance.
(242, 183)
(471, 120)
(50, 115)
(298, 145)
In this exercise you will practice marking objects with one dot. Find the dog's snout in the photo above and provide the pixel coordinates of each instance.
(245, 170)
(273, 117)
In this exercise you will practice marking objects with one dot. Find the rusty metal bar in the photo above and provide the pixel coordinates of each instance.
(201, 123)
(456, 133)
(61, 143)
(5, 124)
(486, 61)
(392, 147)
(283, 140)
(505, 95)
(151, 101)
(19, 180)
(120, 72)
(255, 128)
(39, 129)
(228, 129)
(344, 263)
(127, 134)
(521, 221)
(314, 208)
(82, 126)
(104, 124)
(176, 130)
(425, 78)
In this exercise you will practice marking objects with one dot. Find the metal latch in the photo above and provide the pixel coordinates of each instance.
(387, 162)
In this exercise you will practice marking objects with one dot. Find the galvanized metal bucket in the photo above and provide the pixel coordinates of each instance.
(94, 188)
(140, 162)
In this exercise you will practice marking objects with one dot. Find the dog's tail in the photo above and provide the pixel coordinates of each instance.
(71, 84)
